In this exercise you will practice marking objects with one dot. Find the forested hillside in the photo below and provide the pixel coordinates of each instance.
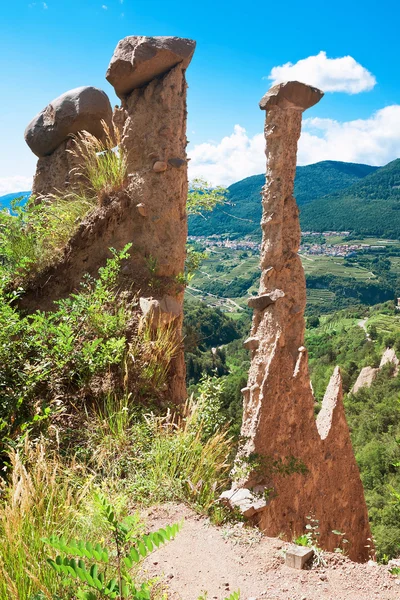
(369, 207)
(241, 216)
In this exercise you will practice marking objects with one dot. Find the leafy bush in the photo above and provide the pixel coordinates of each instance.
(115, 563)
(78, 353)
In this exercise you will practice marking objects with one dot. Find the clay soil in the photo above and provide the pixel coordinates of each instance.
(220, 560)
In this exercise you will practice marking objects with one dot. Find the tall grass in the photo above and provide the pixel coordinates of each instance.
(34, 235)
(42, 497)
(187, 468)
(102, 164)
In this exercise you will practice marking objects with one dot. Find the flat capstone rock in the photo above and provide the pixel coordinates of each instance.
(291, 94)
(139, 59)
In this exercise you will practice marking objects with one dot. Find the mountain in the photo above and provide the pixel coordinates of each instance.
(371, 206)
(241, 216)
(5, 201)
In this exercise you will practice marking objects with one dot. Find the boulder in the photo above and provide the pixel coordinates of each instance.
(79, 109)
(262, 301)
(160, 312)
(292, 94)
(139, 59)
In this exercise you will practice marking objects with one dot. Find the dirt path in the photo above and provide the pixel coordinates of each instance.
(363, 325)
(220, 560)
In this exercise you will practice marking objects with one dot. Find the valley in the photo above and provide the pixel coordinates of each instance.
(335, 265)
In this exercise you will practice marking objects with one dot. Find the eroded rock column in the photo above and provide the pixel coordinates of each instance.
(287, 468)
(49, 136)
(148, 74)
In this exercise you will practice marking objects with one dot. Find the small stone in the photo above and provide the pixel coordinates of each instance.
(177, 163)
(142, 209)
(160, 166)
(251, 343)
(243, 500)
(323, 577)
(297, 556)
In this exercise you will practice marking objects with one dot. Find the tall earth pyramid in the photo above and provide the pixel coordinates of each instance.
(292, 468)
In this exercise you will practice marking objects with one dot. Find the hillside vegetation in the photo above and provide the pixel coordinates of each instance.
(242, 215)
(369, 207)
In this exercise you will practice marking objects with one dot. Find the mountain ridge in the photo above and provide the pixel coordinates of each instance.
(242, 214)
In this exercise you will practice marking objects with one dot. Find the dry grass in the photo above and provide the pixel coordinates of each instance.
(102, 165)
(42, 497)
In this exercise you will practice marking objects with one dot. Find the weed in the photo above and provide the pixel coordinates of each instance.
(107, 571)
(102, 164)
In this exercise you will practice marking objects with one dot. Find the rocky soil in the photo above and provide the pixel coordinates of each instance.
(220, 560)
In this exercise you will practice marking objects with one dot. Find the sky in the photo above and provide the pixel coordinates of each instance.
(348, 48)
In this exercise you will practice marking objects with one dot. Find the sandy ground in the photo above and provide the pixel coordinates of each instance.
(221, 560)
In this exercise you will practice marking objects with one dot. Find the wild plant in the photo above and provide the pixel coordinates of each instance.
(106, 572)
(207, 408)
(41, 496)
(101, 164)
(311, 539)
(202, 197)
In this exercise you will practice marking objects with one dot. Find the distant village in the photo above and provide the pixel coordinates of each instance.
(306, 247)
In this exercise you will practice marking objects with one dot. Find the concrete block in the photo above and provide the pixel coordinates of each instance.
(297, 556)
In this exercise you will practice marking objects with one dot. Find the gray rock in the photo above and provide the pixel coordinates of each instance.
(296, 557)
(292, 94)
(264, 300)
(79, 109)
(177, 163)
(160, 312)
(243, 500)
(139, 59)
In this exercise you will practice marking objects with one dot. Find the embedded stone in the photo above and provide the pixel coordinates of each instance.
(139, 59)
(160, 166)
(251, 343)
(142, 210)
(80, 109)
(160, 312)
(264, 300)
(244, 500)
(291, 94)
(177, 163)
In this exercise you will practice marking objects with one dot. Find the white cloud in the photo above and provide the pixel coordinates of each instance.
(329, 74)
(104, 6)
(18, 183)
(236, 156)
(45, 6)
(375, 141)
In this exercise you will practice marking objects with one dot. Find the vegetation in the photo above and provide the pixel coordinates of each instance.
(241, 215)
(369, 207)
(33, 235)
(128, 551)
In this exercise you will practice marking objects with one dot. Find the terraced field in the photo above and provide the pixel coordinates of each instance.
(229, 269)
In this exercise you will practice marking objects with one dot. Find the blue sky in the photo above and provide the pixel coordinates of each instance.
(49, 47)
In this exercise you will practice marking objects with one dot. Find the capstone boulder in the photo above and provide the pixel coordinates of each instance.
(139, 59)
(82, 108)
